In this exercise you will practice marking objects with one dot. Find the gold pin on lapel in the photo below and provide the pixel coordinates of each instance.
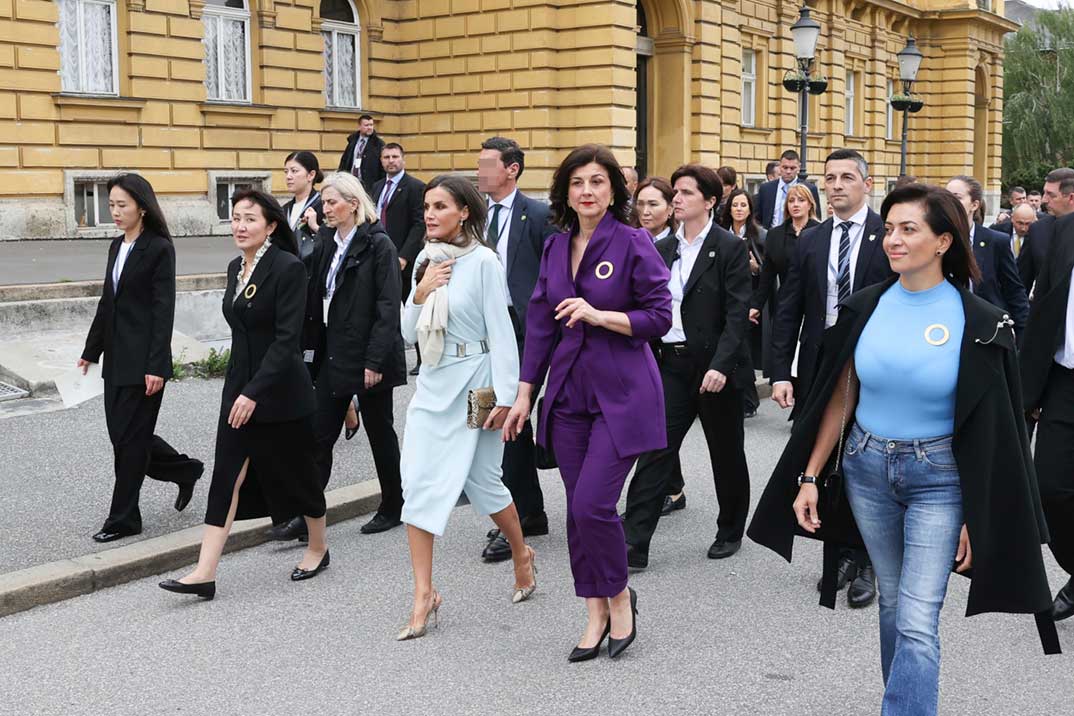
(250, 291)
(982, 243)
(604, 270)
(712, 254)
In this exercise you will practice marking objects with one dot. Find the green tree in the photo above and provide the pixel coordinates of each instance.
(1038, 131)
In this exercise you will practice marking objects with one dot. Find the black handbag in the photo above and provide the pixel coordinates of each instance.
(545, 456)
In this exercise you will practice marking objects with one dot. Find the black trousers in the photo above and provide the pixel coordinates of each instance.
(1054, 460)
(520, 455)
(722, 422)
(131, 417)
(376, 409)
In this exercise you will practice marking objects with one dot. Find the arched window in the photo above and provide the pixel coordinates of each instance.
(88, 58)
(342, 53)
(227, 50)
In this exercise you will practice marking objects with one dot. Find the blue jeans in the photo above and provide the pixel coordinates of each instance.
(907, 501)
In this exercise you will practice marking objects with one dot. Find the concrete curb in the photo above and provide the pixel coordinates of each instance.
(92, 289)
(67, 578)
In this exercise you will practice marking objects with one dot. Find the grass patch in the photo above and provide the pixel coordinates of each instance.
(212, 366)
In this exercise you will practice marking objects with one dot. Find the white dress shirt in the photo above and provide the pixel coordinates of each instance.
(663, 234)
(121, 260)
(1065, 355)
(857, 228)
(502, 234)
(391, 185)
(337, 259)
(359, 150)
(688, 251)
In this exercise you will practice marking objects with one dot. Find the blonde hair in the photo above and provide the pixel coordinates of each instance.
(802, 191)
(351, 189)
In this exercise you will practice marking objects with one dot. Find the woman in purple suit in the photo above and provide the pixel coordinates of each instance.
(601, 296)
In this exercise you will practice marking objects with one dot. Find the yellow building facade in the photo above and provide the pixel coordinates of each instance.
(203, 95)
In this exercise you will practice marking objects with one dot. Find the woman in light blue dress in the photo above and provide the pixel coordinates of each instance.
(457, 314)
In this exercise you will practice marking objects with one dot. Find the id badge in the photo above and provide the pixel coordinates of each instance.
(326, 303)
(307, 356)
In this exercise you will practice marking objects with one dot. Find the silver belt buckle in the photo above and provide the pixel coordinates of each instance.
(484, 346)
(460, 350)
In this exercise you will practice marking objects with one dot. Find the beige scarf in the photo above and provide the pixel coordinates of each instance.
(432, 323)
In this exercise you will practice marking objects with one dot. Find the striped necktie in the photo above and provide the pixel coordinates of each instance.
(842, 277)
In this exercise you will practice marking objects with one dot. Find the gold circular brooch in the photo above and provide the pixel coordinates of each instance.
(604, 270)
(250, 291)
(937, 341)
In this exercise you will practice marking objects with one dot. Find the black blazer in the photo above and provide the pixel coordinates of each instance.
(803, 298)
(1034, 250)
(528, 231)
(1046, 330)
(779, 247)
(716, 303)
(991, 448)
(308, 239)
(133, 324)
(363, 319)
(266, 323)
(766, 199)
(406, 216)
(370, 171)
(1000, 284)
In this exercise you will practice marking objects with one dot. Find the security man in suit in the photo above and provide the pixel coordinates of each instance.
(1059, 189)
(772, 195)
(362, 155)
(517, 228)
(831, 261)
(400, 201)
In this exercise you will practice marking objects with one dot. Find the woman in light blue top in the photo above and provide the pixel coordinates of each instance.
(457, 314)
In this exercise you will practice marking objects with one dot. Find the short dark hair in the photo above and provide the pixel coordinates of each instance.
(273, 212)
(510, 152)
(662, 186)
(944, 215)
(708, 181)
(904, 180)
(142, 192)
(393, 145)
(1064, 176)
(976, 194)
(364, 117)
(1016, 190)
(308, 161)
(791, 155)
(852, 154)
(1033, 193)
(727, 175)
(562, 214)
(770, 168)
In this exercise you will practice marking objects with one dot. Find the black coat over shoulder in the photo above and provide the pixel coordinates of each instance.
(363, 319)
(266, 326)
(1000, 500)
(133, 324)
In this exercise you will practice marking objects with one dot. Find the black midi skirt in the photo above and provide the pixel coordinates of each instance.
(282, 481)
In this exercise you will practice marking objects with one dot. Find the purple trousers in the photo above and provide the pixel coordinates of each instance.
(593, 474)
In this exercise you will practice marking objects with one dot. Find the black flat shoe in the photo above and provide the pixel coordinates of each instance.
(1063, 606)
(497, 550)
(299, 574)
(723, 550)
(862, 590)
(534, 525)
(205, 590)
(380, 523)
(673, 505)
(618, 646)
(579, 653)
(351, 432)
(294, 529)
(106, 535)
(183, 498)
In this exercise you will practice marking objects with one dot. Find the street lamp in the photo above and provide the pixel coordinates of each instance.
(909, 63)
(806, 32)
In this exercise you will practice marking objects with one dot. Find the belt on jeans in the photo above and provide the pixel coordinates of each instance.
(676, 349)
(463, 350)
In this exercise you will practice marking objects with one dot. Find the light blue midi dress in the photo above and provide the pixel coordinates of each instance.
(441, 457)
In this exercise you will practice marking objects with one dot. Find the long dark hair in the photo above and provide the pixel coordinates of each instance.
(662, 186)
(563, 215)
(464, 195)
(146, 199)
(272, 211)
(308, 161)
(752, 227)
(944, 214)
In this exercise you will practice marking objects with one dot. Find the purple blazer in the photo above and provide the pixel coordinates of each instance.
(620, 271)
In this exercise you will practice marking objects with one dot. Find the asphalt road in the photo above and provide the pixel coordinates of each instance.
(739, 637)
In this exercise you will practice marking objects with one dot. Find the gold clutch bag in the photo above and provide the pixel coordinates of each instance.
(480, 403)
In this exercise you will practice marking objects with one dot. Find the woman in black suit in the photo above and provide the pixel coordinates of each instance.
(800, 214)
(302, 172)
(133, 329)
(264, 439)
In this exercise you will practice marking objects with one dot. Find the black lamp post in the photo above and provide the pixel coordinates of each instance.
(909, 63)
(806, 32)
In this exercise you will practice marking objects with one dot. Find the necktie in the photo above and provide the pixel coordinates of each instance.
(386, 195)
(777, 213)
(842, 277)
(361, 146)
(493, 233)
(1017, 244)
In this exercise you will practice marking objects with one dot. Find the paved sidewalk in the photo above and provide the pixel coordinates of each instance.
(46, 261)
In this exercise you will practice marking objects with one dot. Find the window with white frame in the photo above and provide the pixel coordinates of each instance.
(227, 50)
(753, 184)
(226, 188)
(88, 57)
(889, 122)
(749, 88)
(850, 121)
(342, 53)
(91, 204)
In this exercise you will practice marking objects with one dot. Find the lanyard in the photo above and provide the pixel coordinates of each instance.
(337, 261)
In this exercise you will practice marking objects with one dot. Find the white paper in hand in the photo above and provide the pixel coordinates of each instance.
(75, 388)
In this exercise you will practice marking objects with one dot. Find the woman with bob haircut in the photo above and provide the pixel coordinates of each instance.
(601, 296)
(918, 396)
